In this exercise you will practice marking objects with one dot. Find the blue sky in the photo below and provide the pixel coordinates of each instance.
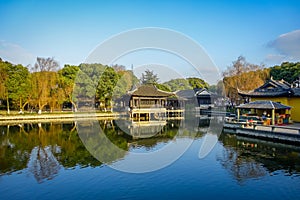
(263, 31)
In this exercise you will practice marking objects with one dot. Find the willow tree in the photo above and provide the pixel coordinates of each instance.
(242, 75)
(45, 84)
(42, 85)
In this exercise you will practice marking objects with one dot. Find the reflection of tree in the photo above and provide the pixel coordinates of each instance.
(241, 168)
(14, 153)
(43, 148)
(73, 152)
(106, 146)
(248, 158)
(42, 163)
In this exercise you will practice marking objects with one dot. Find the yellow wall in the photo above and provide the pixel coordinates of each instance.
(294, 102)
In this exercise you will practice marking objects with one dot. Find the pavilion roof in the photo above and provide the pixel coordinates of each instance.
(271, 88)
(149, 91)
(263, 105)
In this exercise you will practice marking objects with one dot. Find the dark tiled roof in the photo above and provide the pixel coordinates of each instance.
(276, 84)
(263, 105)
(272, 88)
(187, 94)
(296, 92)
(149, 91)
(265, 94)
(197, 92)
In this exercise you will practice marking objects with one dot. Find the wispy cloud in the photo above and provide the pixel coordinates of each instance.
(275, 58)
(15, 53)
(287, 45)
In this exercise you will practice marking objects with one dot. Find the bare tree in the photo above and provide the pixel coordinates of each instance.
(118, 68)
(45, 65)
(240, 66)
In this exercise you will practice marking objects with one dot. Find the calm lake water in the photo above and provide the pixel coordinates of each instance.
(51, 161)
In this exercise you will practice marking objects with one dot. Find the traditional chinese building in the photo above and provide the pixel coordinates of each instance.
(148, 103)
(277, 91)
(272, 112)
(201, 98)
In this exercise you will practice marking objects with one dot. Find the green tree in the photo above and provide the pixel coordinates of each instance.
(86, 84)
(3, 78)
(163, 87)
(18, 85)
(67, 76)
(178, 84)
(125, 83)
(149, 77)
(287, 70)
(197, 83)
(106, 86)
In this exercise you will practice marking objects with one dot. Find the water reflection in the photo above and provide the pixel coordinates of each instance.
(42, 148)
(248, 158)
(46, 148)
(42, 163)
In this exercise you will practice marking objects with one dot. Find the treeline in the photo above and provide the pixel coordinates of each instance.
(45, 86)
(244, 76)
(174, 84)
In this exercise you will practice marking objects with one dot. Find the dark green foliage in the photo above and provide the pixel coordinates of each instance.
(178, 84)
(197, 83)
(287, 71)
(18, 84)
(163, 87)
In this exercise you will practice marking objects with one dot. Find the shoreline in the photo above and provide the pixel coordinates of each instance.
(52, 117)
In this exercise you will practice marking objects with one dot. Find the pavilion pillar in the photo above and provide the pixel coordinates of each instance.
(238, 114)
(273, 116)
(139, 103)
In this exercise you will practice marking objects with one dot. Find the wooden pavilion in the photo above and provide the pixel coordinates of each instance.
(148, 103)
(276, 112)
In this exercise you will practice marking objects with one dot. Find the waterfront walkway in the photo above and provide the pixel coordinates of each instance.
(286, 133)
(290, 128)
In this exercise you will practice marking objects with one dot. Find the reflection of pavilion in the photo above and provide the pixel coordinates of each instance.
(145, 129)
